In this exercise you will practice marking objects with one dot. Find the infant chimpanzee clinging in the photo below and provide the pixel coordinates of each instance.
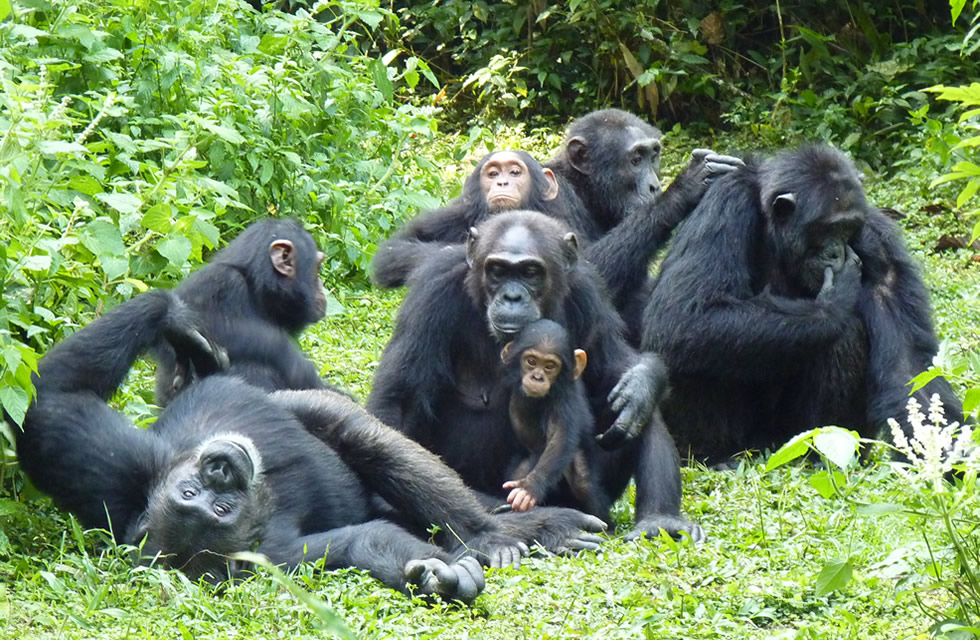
(550, 415)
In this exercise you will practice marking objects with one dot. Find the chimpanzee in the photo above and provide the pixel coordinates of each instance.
(254, 297)
(229, 467)
(611, 160)
(787, 303)
(440, 380)
(550, 415)
(502, 181)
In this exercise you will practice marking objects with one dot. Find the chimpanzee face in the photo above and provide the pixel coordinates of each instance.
(811, 222)
(204, 508)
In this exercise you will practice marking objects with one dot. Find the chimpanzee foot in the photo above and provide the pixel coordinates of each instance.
(461, 580)
(675, 526)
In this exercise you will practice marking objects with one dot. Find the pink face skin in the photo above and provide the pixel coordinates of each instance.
(505, 181)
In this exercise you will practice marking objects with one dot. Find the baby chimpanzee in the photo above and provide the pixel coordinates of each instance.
(550, 415)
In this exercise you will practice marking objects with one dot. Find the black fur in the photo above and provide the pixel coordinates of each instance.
(228, 467)
(440, 379)
(760, 345)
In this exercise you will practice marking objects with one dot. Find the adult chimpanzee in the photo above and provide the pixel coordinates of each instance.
(550, 415)
(254, 297)
(502, 181)
(611, 160)
(440, 379)
(228, 467)
(786, 303)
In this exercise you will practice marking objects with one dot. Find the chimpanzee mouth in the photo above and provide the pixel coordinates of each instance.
(503, 202)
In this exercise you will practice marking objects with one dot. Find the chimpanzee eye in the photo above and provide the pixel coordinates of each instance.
(516, 172)
(531, 271)
(530, 361)
(188, 493)
(636, 160)
(550, 366)
(221, 509)
(493, 173)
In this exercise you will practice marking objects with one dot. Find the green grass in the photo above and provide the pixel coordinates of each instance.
(755, 577)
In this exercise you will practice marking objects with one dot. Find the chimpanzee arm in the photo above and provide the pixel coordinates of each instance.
(704, 313)
(408, 476)
(73, 445)
(386, 551)
(622, 256)
(422, 236)
(417, 363)
(619, 380)
(895, 309)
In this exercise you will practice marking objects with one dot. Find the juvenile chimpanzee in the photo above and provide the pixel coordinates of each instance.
(228, 467)
(440, 379)
(611, 160)
(254, 297)
(787, 303)
(502, 181)
(550, 415)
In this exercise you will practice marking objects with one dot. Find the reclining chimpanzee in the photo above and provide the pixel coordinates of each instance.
(229, 467)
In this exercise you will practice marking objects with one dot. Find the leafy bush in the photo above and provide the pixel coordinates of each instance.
(136, 134)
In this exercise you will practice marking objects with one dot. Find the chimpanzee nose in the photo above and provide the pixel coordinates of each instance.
(513, 296)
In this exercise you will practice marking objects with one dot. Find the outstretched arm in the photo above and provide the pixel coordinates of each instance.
(622, 256)
(385, 550)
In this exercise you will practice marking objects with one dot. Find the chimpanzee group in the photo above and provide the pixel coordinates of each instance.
(534, 370)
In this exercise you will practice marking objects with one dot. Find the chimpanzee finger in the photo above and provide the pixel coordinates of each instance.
(584, 543)
(612, 438)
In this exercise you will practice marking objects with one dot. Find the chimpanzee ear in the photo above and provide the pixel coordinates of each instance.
(784, 205)
(471, 239)
(505, 352)
(571, 240)
(578, 155)
(283, 257)
(551, 184)
(581, 359)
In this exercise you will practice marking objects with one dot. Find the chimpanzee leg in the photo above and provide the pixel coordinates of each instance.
(658, 485)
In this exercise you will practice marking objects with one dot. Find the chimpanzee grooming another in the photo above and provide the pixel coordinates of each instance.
(550, 415)
(228, 467)
(254, 297)
(787, 303)
(502, 181)
(440, 380)
(611, 160)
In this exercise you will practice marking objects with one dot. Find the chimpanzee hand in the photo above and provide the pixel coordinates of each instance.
(705, 167)
(555, 529)
(841, 289)
(635, 397)
(496, 549)
(522, 495)
(461, 580)
(196, 354)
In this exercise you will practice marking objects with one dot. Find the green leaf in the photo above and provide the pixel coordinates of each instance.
(925, 378)
(103, 55)
(834, 576)
(52, 147)
(971, 400)
(10, 507)
(4, 9)
(157, 218)
(380, 74)
(103, 238)
(334, 307)
(14, 401)
(176, 249)
(114, 266)
(227, 134)
(826, 484)
(968, 192)
(121, 202)
(370, 18)
(795, 448)
(272, 44)
(840, 446)
(878, 509)
(85, 184)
